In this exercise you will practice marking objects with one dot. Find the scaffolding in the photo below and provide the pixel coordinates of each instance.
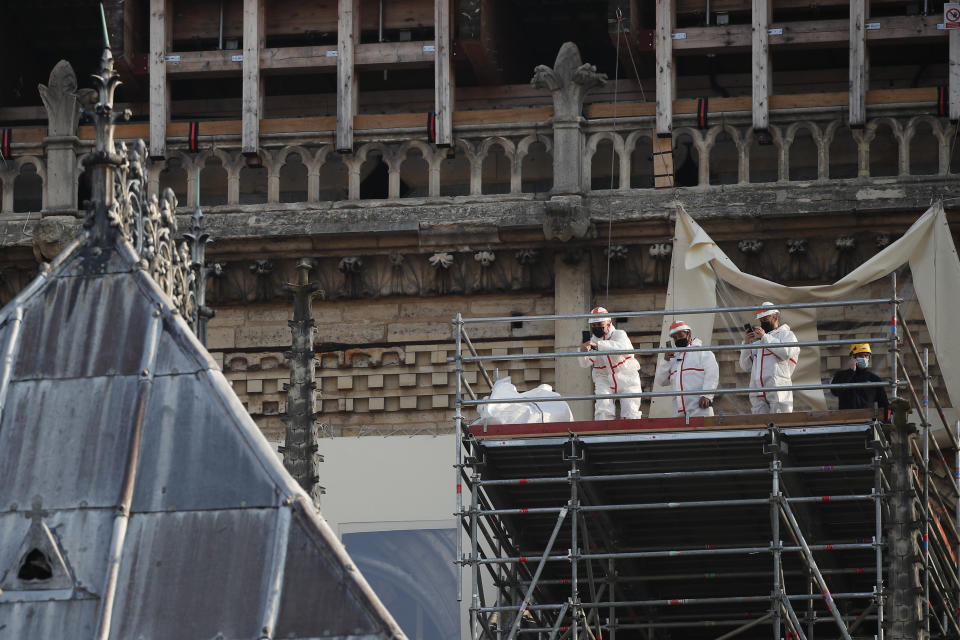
(797, 526)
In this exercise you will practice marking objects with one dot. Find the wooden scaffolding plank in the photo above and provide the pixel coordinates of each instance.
(253, 42)
(348, 35)
(443, 76)
(665, 68)
(761, 64)
(858, 63)
(160, 19)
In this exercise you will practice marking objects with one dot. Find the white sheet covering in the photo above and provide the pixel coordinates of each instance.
(927, 247)
(534, 410)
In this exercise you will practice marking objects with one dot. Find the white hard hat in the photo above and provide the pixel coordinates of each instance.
(597, 310)
(766, 309)
(678, 326)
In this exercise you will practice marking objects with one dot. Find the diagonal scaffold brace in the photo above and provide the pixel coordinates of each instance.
(536, 576)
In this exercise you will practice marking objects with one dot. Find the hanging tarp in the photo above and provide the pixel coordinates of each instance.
(927, 248)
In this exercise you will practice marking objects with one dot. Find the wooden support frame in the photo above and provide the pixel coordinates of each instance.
(762, 73)
(348, 35)
(666, 76)
(161, 16)
(807, 34)
(253, 43)
(442, 75)
(662, 162)
(954, 73)
(858, 62)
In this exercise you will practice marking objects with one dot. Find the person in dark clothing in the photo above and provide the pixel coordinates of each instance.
(858, 370)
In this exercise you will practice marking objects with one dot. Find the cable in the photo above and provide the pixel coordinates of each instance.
(613, 150)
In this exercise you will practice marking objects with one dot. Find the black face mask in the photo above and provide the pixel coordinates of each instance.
(597, 330)
(681, 342)
(766, 326)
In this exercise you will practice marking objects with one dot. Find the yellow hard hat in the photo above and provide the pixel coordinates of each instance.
(860, 348)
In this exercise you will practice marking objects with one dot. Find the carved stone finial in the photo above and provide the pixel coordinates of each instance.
(60, 100)
(569, 81)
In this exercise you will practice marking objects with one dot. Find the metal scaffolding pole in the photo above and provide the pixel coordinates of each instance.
(536, 576)
(926, 492)
(894, 307)
(773, 449)
(812, 563)
(878, 538)
(458, 443)
(574, 551)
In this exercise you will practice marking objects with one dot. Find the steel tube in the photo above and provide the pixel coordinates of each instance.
(658, 394)
(658, 350)
(679, 602)
(894, 386)
(473, 350)
(812, 563)
(775, 543)
(669, 475)
(908, 336)
(458, 443)
(642, 506)
(878, 539)
(926, 491)
(536, 576)
(745, 627)
(956, 478)
(677, 553)
(475, 560)
(664, 312)
(710, 575)
(574, 555)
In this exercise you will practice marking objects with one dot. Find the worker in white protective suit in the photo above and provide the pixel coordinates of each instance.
(689, 371)
(771, 361)
(611, 373)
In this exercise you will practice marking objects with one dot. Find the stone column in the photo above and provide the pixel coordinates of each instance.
(572, 294)
(63, 117)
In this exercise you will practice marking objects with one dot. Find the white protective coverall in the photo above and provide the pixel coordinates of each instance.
(771, 365)
(687, 371)
(614, 374)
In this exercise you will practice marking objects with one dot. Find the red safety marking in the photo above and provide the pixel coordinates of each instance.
(522, 559)
(564, 580)
(674, 602)
(711, 546)
(459, 489)
(524, 481)
(524, 510)
(824, 498)
(564, 628)
(860, 570)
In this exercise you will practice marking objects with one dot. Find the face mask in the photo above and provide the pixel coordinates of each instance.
(681, 342)
(863, 363)
(597, 330)
(766, 326)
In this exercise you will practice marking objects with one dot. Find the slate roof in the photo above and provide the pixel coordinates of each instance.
(108, 399)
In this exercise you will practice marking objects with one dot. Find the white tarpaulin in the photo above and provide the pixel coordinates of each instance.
(927, 247)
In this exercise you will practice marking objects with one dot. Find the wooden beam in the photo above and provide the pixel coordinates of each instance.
(442, 77)
(858, 62)
(253, 41)
(348, 35)
(665, 71)
(696, 6)
(761, 64)
(807, 33)
(954, 92)
(294, 59)
(160, 19)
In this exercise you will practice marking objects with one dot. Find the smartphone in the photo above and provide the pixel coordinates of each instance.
(748, 327)
(585, 336)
